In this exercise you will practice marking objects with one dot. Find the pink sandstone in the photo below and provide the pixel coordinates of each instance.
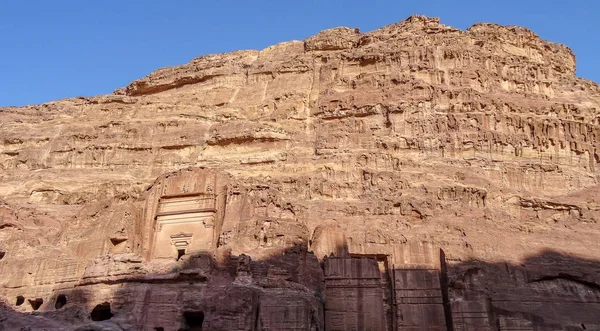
(416, 177)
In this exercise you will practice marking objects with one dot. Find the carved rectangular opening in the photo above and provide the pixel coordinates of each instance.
(20, 300)
(193, 320)
(180, 253)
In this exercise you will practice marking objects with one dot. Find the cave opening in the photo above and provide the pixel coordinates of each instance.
(20, 300)
(36, 303)
(117, 241)
(101, 312)
(159, 328)
(193, 321)
(118, 245)
(61, 301)
(2, 253)
(180, 253)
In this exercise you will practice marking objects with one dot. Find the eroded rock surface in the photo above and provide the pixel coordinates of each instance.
(416, 177)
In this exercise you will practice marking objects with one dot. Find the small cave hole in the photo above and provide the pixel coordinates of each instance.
(117, 241)
(61, 301)
(20, 300)
(180, 253)
(159, 329)
(36, 303)
(101, 312)
(2, 253)
(193, 321)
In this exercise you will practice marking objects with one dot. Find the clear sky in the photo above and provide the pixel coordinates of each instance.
(54, 49)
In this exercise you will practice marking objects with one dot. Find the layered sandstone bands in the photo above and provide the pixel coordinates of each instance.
(386, 146)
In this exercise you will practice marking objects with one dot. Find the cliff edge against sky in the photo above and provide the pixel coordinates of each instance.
(416, 177)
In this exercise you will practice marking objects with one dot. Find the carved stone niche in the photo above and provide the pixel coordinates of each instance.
(186, 210)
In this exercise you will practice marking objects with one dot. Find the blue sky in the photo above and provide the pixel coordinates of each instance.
(65, 48)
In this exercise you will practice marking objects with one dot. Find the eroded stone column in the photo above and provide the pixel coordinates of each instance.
(418, 290)
(354, 296)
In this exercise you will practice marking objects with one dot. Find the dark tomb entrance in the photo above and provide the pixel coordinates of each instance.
(101, 312)
(192, 321)
(180, 253)
(61, 301)
(36, 303)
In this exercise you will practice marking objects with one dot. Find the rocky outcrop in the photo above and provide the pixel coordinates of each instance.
(415, 177)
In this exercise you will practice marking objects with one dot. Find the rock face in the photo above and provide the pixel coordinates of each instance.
(416, 177)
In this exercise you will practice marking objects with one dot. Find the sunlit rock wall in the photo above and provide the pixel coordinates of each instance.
(454, 172)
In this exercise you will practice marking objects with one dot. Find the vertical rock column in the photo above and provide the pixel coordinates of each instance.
(354, 298)
(418, 290)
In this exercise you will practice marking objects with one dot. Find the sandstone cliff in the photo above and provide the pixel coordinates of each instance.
(416, 177)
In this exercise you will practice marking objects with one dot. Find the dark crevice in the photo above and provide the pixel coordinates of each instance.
(445, 294)
(138, 88)
(154, 279)
(8, 225)
(572, 278)
(257, 325)
(242, 141)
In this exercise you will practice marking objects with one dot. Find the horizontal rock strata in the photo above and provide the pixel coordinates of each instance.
(415, 177)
